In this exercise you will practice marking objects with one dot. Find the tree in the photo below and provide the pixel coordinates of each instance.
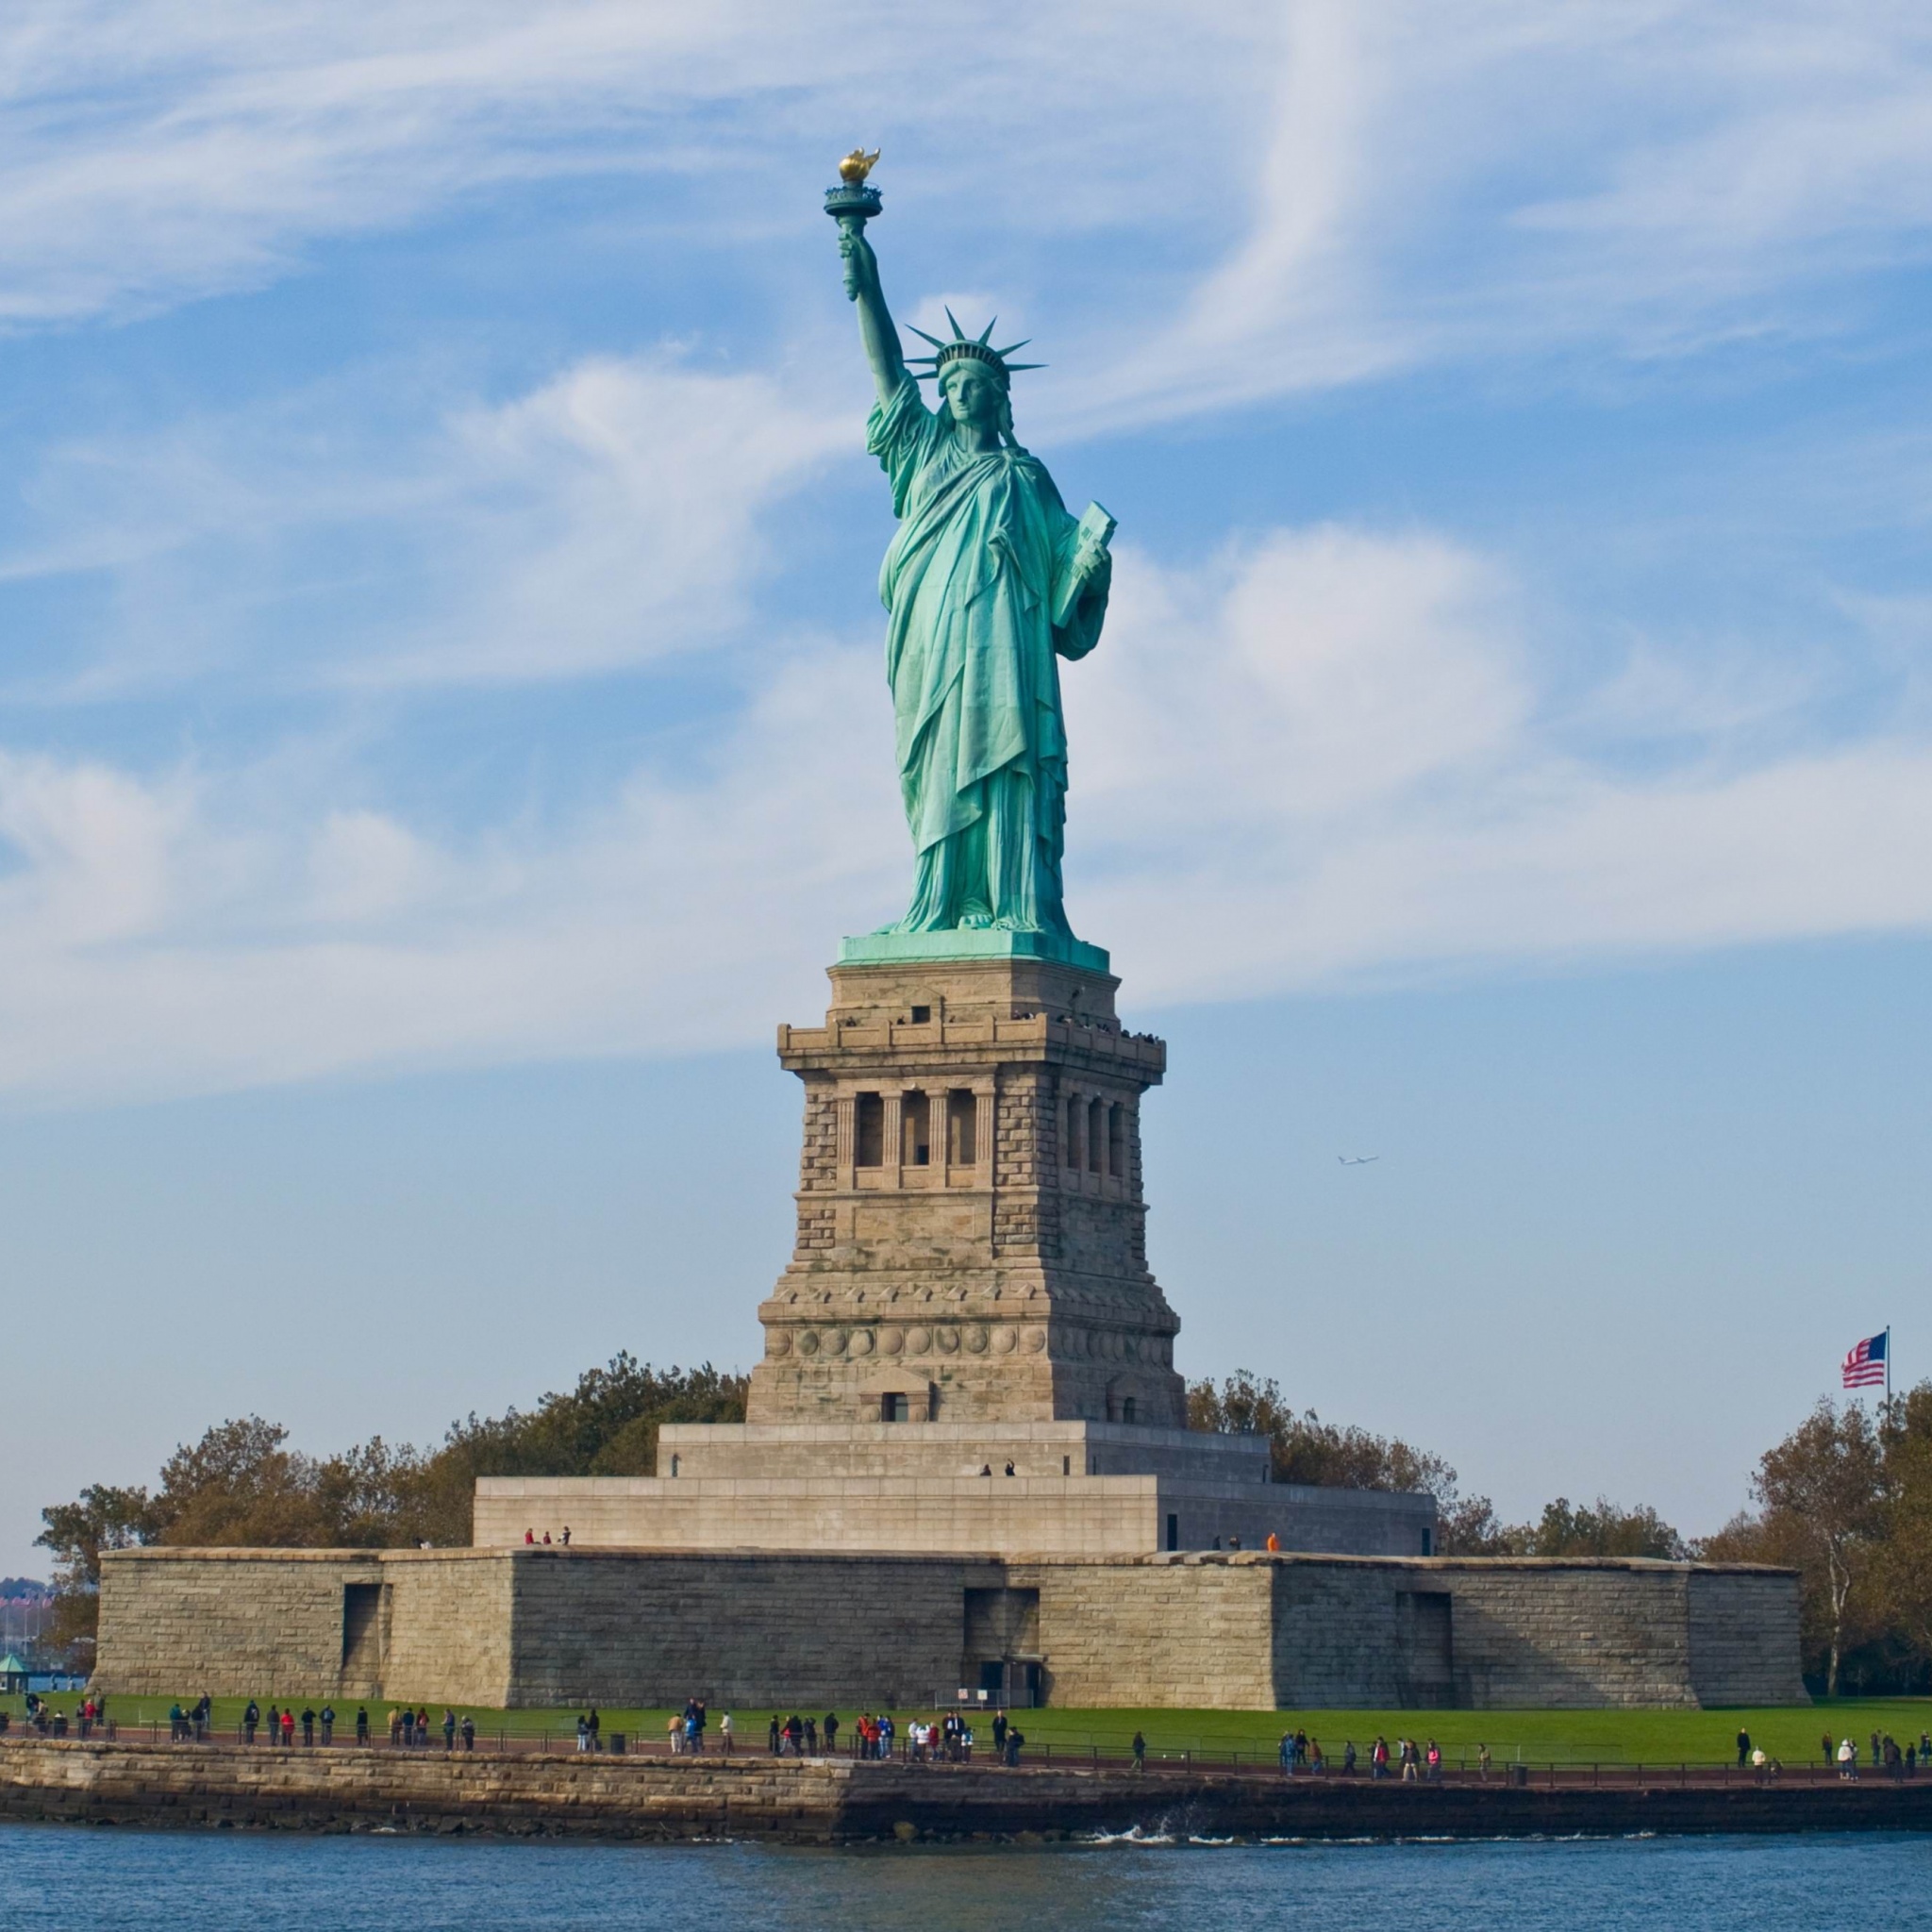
(1606, 1530)
(238, 1486)
(1902, 1571)
(100, 1518)
(1822, 1490)
(1304, 1449)
(242, 1484)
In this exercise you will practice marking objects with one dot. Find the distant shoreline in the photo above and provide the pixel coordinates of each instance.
(221, 1787)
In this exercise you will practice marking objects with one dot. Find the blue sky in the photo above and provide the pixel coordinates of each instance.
(442, 726)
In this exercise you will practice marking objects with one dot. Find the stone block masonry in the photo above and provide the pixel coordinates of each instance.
(842, 1801)
(963, 1464)
(971, 1231)
(547, 1627)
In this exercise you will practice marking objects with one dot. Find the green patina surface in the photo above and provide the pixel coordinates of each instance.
(989, 584)
(882, 948)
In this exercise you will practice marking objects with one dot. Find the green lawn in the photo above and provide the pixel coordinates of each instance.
(1541, 1736)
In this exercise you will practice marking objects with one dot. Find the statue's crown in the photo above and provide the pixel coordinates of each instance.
(968, 348)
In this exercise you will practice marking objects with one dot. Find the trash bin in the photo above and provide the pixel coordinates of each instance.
(1519, 1773)
(617, 1743)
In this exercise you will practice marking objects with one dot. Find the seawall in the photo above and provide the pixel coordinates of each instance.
(835, 1801)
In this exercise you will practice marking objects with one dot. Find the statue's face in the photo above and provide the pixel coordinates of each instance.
(973, 394)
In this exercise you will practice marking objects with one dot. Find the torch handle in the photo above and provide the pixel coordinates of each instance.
(851, 227)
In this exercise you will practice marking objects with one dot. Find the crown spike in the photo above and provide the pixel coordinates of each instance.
(985, 334)
(958, 333)
(1003, 354)
(1011, 366)
(923, 337)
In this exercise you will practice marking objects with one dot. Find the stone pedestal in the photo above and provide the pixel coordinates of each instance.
(970, 1238)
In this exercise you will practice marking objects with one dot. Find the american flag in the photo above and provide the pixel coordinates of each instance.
(1865, 1365)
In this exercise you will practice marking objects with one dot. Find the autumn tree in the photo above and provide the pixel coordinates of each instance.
(1821, 1496)
(1902, 1569)
(1304, 1449)
(241, 1484)
(1600, 1529)
(100, 1518)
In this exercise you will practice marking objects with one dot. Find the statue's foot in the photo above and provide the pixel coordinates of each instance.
(975, 921)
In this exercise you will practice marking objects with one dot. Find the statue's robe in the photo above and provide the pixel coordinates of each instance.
(970, 652)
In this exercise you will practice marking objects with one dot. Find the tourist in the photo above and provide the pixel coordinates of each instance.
(725, 1734)
(1140, 1748)
(1285, 1754)
(362, 1724)
(986, 1469)
(1015, 1737)
(1434, 1760)
(583, 1732)
(1378, 1759)
(1830, 1750)
(772, 1734)
(328, 1724)
(204, 1718)
(999, 1732)
(811, 1737)
(546, 1539)
(1273, 1541)
(423, 1728)
(1482, 1761)
(1348, 1758)
(449, 1732)
(597, 1724)
(1317, 1763)
(830, 1731)
(530, 1536)
(176, 1721)
(396, 1727)
(250, 1718)
(566, 1536)
(1848, 1761)
(693, 1738)
(288, 1727)
(308, 1728)
(469, 1732)
(1743, 1747)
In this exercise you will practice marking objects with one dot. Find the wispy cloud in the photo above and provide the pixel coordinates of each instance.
(612, 516)
(1318, 192)
(1322, 759)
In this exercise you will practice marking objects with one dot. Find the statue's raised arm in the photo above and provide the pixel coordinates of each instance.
(876, 330)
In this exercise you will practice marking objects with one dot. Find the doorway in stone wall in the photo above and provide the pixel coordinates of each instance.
(1424, 1650)
(363, 1632)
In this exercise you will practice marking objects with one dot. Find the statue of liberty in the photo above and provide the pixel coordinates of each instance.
(989, 582)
